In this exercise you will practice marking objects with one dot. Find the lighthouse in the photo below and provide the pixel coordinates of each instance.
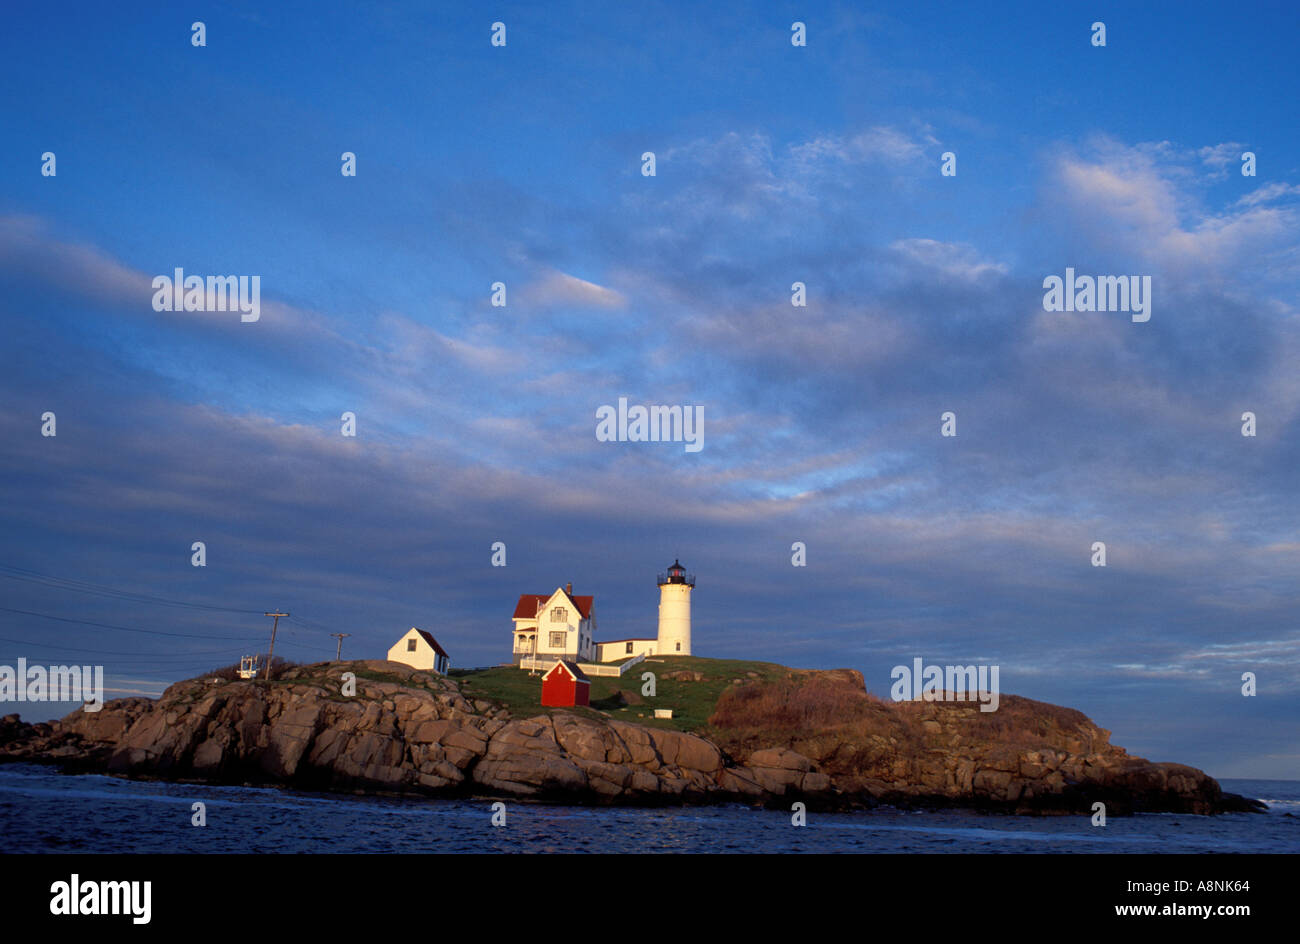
(675, 588)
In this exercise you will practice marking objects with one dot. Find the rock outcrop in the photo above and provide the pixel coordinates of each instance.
(409, 731)
(1027, 757)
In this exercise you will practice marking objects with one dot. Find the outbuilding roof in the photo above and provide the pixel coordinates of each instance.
(428, 637)
(571, 668)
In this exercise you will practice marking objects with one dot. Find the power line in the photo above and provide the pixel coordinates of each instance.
(293, 631)
(313, 632)
(83, 586)
(127, 629)
(311, 624)
(109, 652)
(315, 628)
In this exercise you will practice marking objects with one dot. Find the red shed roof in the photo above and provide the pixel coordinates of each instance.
(571, 668)
(529, 602)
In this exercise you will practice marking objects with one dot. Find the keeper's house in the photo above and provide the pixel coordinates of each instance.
(551, 627)
(420, 650)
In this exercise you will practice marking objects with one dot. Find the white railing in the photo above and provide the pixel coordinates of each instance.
(605, 669)
(631, 662)
(590, 668)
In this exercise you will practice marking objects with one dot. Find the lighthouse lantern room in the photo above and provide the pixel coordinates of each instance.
(675, 588)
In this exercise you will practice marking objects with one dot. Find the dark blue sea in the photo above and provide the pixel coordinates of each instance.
(42, 810)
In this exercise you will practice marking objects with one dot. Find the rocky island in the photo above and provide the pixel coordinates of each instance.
(772, 736)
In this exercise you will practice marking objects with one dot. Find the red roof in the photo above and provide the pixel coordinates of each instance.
(529, 602)
(571, 668)
(606, 642)
(428, 637)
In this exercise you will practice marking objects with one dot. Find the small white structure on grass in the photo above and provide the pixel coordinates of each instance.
(420, 650)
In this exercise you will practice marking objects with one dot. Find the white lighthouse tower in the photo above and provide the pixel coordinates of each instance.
(675, 611)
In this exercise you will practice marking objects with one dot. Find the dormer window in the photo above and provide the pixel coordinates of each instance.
(559, 615)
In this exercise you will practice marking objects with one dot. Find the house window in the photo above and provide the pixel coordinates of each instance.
(629, 648)
(679, 647)
(410, 645)
(559, 615)
(557, 640)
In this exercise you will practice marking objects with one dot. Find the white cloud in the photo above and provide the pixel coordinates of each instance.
(1220, 158)
(1142, 201)
(1268, 193)
(878, 143)
(560, 288)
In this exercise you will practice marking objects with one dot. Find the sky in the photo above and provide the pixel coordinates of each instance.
(523, 164)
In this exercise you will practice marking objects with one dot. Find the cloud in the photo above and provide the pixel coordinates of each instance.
(880, 143)
(1142, 201)
(1221, 158)
(29, 250)
(1268, 193)
(1223, 663)
(822, 425)
(406, 347)
(748, 175)
(560, 288)
(825, 334)
(961, 262)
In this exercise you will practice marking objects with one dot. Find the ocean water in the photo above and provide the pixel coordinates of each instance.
(42, 810)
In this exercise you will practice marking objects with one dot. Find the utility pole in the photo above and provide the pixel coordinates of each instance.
(338, 656)
(271, 656)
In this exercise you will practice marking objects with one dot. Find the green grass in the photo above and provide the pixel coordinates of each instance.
(691, 702)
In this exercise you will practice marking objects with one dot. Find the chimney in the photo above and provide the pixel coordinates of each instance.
(568, 588)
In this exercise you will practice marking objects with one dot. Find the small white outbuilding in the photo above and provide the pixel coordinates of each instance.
(420, 650)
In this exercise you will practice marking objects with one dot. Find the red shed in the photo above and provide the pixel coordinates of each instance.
(564, 685)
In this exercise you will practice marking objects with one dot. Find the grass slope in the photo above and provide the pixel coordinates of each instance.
(691, 702)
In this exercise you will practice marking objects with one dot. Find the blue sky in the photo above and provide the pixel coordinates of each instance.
(775, 164)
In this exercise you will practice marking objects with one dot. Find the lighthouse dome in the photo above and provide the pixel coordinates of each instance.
(676, 574)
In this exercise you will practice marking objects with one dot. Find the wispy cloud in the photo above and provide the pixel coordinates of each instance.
(560, 288)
